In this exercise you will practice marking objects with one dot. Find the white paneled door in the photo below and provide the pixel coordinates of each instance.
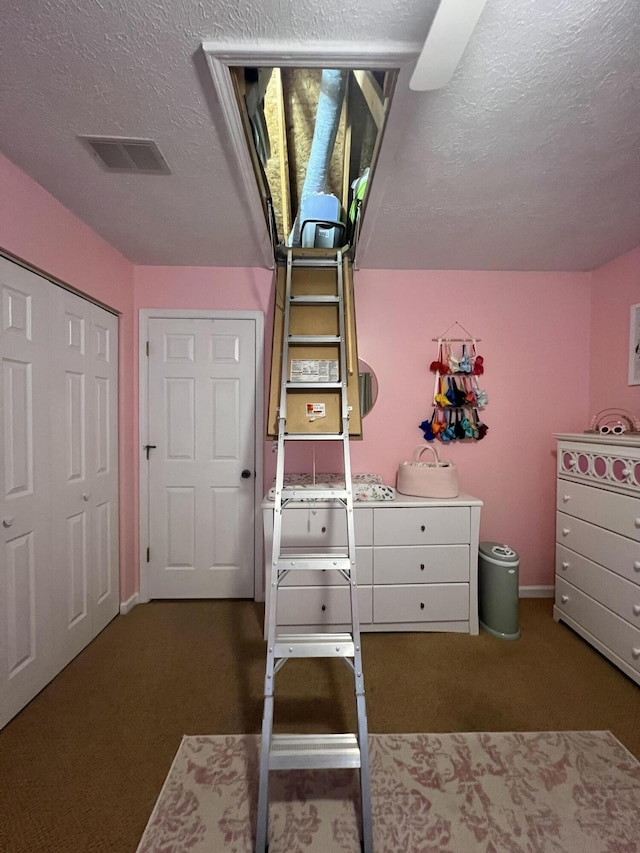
(26, 582)
(59, 474)
(84, 468)
(202, 399)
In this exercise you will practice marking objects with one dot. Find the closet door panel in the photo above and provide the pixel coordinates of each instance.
(85, 472)
(71, 448)
(103, 460)
(25, 591)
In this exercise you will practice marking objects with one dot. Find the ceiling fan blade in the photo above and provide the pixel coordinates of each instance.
(448, 37)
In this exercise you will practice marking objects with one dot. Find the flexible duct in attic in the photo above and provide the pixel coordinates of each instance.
(330, 100)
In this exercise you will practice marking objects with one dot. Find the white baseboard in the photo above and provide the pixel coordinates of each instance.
(126, 606)
(537, 592)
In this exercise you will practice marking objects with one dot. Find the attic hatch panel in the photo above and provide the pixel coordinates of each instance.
(278, 107)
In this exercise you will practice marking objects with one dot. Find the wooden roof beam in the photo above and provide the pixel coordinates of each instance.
(372, 94)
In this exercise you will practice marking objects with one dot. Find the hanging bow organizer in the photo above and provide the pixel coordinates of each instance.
(457, 395)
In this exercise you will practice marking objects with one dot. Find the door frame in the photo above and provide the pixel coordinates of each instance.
(145, 315)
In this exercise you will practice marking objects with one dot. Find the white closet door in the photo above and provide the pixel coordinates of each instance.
(25, 558)
(59, 476)
(103, 421)
(84, 468)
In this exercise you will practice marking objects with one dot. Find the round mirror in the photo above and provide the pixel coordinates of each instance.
(368, 387)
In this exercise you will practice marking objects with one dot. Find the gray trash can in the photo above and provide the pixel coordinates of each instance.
(498, 575)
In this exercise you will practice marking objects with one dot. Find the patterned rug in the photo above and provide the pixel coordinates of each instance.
(497, 792)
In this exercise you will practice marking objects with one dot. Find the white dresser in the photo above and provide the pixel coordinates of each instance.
(598, 544)
(417, 565)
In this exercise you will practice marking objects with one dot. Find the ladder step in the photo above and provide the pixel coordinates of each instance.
(314, 262)
(314, 339)
(310, 436)
(318, 299)
(322, 552)
(313, 562)
(314, 646)
(313, 752)
(316, 385)
(315, 494)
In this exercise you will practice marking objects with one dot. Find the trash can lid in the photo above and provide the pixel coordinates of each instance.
(498, 551)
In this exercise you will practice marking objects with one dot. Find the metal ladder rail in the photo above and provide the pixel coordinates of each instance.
(339, 749)
(366, 826)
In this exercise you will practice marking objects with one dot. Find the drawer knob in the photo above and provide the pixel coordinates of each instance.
(637, 522)
(422, 605)
(636, 653)
(422, 528)
(626, 472)
(422, 567)
(566, 498)
(564, 598)
(636, 609)
(7, 522)
(636, 565)
(324, 607)
(565, 564)
(571, 463)
(324, 529)
(565, 531)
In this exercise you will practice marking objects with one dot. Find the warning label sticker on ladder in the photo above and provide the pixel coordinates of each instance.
(315, 410)
(314, 370)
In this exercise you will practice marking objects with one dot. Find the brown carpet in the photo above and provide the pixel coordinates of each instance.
(82, 766)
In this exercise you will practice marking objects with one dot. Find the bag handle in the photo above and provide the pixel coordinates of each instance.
(418, 451)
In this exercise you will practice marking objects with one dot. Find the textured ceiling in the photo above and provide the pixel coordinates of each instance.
(529, 158)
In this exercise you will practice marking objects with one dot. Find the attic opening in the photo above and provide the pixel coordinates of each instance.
(313, 136)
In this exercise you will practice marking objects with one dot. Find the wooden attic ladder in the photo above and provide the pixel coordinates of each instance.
(315, 323)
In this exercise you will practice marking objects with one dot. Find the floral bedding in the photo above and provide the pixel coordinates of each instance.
(366, 487)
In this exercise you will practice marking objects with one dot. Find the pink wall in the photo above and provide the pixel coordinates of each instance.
(534, 329)
(535, 332)
(37, 229)
(615, 288)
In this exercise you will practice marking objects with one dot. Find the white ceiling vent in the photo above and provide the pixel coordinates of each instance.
(127, 155)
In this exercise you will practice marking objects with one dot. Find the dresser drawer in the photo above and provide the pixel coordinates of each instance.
(436, 525)
(322, 578)
(611, 550)
(317, 526)
(615, 633)
(318, 606)
(606, 509)
(616, 593)
(421, 603)
(421, 564)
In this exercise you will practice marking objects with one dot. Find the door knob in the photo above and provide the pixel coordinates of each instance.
(246, 474)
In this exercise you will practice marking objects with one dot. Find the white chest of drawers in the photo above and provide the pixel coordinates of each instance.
(598, 544)
(417, 565)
